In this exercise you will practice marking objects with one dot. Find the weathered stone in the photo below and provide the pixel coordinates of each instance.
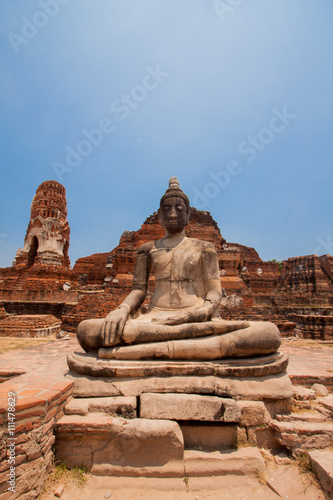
(288, 483)
(278, 407)
(242, 437)
(302, 393)
(306, 416)
(302, 436)
(267, 455)
(59, 490)
(252, 388)
(263, 437)
(212, 436)
(325, 406)
(301, 405)
(115, 446)
(232, 411)
(115, 406)
(247, 461)
(91, 365)
(188, 407)
(282, 459)
(320, 390)
(86, 386)
(253, 413)
(322, 463)
(276, 389)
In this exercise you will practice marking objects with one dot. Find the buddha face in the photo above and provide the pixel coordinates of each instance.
(174, 214)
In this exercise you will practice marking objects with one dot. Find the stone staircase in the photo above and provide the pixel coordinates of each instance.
(190, 435)
(105, 435)
(309, 431)
(308, 428)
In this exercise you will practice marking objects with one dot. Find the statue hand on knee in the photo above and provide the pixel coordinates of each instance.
(113, 326)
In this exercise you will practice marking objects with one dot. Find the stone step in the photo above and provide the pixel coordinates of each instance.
(300, 436)
(302, 416)
(113, 406)
(325, 406)
(322, 463)
(180, 407)
(245, 461)
(143, 447)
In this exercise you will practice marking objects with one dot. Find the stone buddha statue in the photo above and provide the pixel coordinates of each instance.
(183, 320)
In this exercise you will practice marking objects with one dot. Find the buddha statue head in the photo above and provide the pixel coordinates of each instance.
(174, 211)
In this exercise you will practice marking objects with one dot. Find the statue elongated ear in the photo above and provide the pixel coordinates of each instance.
(188, 209)
(160, 218)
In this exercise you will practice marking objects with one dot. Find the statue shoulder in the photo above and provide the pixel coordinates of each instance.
(204, 246)
(146, 248)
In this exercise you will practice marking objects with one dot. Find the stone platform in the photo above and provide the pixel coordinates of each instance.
(169, 418)
(243, 378)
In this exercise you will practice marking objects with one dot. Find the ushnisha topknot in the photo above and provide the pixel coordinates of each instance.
(174, 190)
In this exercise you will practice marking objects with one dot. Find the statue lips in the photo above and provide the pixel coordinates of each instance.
(174, 226)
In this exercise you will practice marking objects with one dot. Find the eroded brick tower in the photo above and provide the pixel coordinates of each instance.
(46, 242)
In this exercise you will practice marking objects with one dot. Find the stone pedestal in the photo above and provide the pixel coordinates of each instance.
(198, 413)
(255, 379)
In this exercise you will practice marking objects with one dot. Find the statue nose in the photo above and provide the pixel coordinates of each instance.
(173, 214)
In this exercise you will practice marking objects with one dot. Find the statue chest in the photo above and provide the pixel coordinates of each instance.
(176, 264)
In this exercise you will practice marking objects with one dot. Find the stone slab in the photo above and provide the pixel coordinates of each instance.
(91, 364)
(86, 386)
(189, 407)
(187, 385)
(262, 437)
(271, 388)
(301, 436)
(119, 446)
(325, 406)
(306, 416)
(245, 461)
(322, 463)
(320, 390)
(303, 393)
(253, 413)
(114, 406)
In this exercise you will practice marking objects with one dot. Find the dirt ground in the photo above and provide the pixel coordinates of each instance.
(287, 481)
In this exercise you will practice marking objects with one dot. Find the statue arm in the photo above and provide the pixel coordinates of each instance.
(115, 321)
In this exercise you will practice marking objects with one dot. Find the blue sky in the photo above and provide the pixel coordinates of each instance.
(113, 97)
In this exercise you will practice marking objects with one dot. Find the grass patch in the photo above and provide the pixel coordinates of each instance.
(303, 463)
(59, 474)
(13, 343)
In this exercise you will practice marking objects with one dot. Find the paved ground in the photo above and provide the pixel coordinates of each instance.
(45, 364)
(287, 483)
(309, 362)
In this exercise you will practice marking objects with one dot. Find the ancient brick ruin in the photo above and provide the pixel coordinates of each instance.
(296, 294)
(40, 280)
(47, 239)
